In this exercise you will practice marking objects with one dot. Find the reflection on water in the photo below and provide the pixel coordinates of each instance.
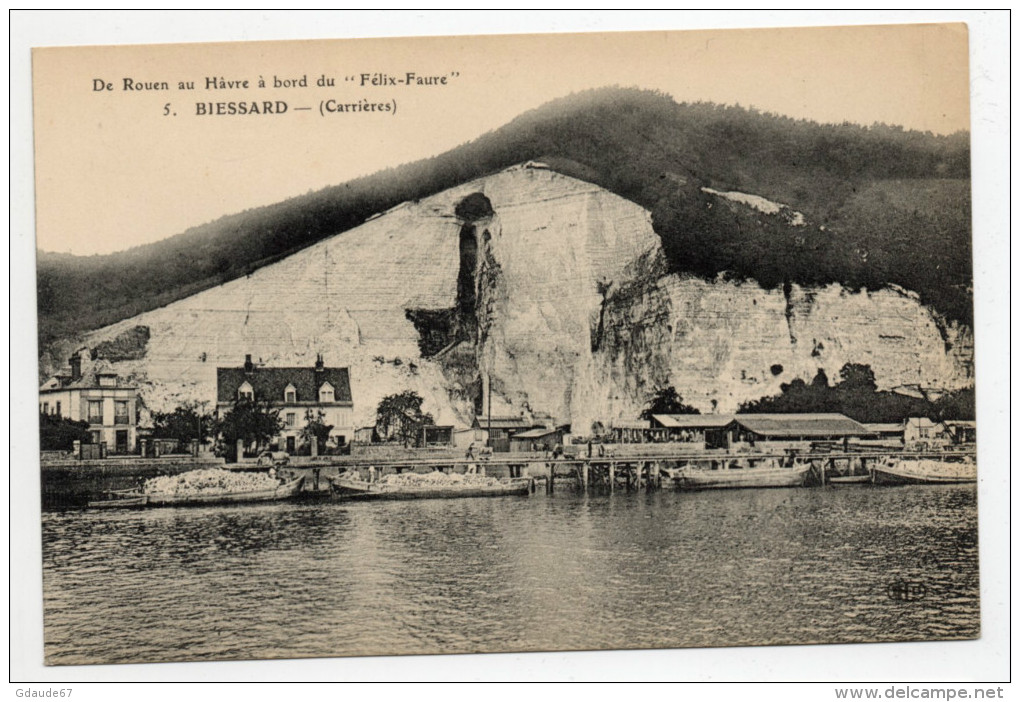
(567, 571)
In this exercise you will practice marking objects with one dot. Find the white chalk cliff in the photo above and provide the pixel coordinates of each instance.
(572, 315)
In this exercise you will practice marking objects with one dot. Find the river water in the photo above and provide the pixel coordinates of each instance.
(546, 572)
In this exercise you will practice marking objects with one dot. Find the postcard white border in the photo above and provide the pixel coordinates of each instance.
(982, 660)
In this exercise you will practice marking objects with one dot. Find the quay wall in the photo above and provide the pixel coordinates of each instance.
(72, 483)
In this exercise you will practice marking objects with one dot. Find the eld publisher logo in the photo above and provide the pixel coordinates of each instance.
(906, 591)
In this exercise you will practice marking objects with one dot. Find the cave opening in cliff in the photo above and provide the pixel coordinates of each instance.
(441, 329)
(473, 208)
(467, 318)
(470, 211)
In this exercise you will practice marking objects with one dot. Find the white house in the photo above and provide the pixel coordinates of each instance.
(294, 391)
(92, 392)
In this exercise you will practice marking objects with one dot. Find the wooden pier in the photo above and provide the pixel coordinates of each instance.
(611, 473)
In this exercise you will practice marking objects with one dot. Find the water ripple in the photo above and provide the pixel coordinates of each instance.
(555, 572)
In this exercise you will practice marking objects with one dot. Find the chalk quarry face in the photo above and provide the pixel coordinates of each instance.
(549, 289)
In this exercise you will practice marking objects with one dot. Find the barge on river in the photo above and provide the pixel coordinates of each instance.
(135, 499)
(771, 474)
(924, 472)
(468, 486)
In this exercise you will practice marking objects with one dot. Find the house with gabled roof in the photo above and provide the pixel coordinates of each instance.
(297, 392)
(91, 391)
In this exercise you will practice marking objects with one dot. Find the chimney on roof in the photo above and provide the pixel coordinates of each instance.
(319, 365)
(75, 362)
(248, 366)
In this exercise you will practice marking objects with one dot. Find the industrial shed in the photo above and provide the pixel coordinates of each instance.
(782, 430)
(690, 427)
(540, 439)
(630, 431)
(502, 429)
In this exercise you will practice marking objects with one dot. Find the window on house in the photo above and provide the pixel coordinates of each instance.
(46, 408)
(290, 395)
(58, 409)
(95, 411)
(326, 393)
(291, 419)
(245, 392)
(120, 412)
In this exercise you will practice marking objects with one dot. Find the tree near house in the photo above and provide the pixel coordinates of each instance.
(667, 401)
(316, 428)
(60, 433)
(400, 417)
(252, 422)
(185, 424)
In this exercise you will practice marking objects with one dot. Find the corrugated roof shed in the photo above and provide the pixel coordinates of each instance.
(808, 425)
(270, 383)
(504, 423)
(884, 428)
(631, 424)
(534, 433)
(693, 421)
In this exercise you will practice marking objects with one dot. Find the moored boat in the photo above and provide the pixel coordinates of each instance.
(127, 501)
(737, 476)
(418, 487)
(924, 472)
(145, 498)
(281, 492)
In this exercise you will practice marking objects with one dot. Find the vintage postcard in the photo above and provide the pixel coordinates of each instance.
(505, 343)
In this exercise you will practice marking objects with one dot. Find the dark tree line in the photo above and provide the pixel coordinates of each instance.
(857, 396)
(59, 433)
(185, 424)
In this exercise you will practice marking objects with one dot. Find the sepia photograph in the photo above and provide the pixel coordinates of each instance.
(507, 343)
